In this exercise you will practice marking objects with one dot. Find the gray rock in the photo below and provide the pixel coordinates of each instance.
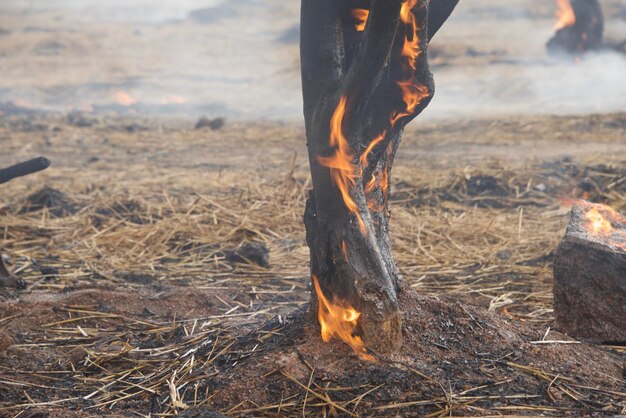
(590, 277)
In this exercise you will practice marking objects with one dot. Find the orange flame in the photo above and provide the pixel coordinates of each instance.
(124, 98)
(340, 322)
(344, 250)
(565, 15)
(360, 17)
(597, 224)
(412, 96)
(412, 93)
(370, 147)
(371, 184)
(342, 170)
(411, 48)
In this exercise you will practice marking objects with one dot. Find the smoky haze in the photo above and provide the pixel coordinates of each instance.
(239, 59)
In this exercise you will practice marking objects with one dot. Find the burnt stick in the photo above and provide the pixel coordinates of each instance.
(23, 169)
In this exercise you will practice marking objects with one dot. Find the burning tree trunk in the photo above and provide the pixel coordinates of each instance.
(365, 75)
(579, 27)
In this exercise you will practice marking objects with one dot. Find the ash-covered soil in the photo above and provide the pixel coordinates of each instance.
(162, 260)
(456, 359)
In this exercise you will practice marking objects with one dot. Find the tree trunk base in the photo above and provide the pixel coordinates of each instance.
(439, 357)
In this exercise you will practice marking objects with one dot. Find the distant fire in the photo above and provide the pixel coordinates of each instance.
(339, 321)
(173, 99)
(565, 15)
(124, 98)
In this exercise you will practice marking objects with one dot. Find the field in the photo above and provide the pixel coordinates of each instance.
(133, 286)
(165, 266)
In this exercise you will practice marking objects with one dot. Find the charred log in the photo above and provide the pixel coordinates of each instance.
(581, 32)
(590, 275)
(365, 75)
(23, 169)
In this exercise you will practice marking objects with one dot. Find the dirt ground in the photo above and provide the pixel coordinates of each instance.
(166, 267)
(131, 288)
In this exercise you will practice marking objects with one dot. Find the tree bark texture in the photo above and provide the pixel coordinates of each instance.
(367, 82)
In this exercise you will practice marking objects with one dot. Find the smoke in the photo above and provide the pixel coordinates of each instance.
(594, 84)
(239, 59)
(491, 60)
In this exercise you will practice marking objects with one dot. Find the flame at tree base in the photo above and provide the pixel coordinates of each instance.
(337, 320)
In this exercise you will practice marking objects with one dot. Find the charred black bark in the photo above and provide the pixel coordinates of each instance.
(23, 169)
(584, 34)
(366, 72)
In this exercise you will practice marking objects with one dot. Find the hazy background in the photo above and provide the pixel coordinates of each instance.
(239, 59)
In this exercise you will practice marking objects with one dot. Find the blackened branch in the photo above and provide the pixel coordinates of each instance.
(23, 169)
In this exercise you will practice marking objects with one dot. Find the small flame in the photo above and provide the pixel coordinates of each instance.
(124, 98)
(565, 15)
(411, 48)
(360, 17)
(412, 96)
(370, 147)
(597, 224)
(344, 250)
(412, 93)
(342, 170)
(340, 322)
(371, 185)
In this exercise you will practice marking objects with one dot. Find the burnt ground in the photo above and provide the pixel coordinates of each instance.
(167, 271)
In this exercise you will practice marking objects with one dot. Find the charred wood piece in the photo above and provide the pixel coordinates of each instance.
(590, 275)
(580, 29)
(23, 169)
